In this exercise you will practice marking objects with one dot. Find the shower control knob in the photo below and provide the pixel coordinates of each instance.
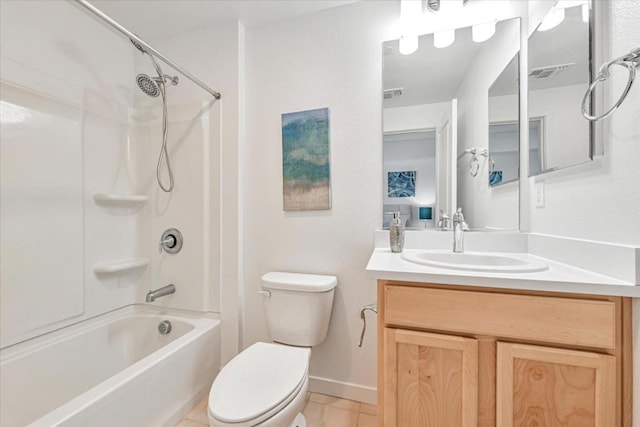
(171, 241)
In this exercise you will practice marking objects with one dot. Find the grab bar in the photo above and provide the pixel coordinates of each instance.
(372, 307)
(631, 61)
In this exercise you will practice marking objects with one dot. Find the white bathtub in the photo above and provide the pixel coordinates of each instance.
(113, 370)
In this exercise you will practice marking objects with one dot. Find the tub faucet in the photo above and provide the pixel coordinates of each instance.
(459, 227)
(165, 290)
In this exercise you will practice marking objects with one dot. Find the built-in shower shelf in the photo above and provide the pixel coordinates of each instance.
(119, 199)
(119, 266)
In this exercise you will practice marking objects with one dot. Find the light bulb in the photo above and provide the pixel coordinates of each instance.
(408, 44)
(483, 32)
(444, 38)
(552, 20)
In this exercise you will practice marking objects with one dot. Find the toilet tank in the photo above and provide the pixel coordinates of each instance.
(298, 307)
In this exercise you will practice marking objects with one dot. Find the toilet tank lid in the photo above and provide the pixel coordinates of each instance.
(299, 282)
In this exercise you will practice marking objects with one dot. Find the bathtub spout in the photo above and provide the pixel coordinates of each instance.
(165, 290)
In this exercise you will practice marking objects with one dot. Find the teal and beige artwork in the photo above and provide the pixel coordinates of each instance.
(305, 160)
(401, 184)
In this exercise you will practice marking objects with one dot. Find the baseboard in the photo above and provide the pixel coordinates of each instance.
(343, 390)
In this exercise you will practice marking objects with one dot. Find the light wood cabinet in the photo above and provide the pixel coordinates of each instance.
(545, 386)
(466, 356)
(431, 379)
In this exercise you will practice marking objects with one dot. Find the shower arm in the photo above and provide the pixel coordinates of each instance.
(152, 52)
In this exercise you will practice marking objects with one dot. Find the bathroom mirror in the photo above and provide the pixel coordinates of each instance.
(559, 71)
(435, 113)
(504, 126)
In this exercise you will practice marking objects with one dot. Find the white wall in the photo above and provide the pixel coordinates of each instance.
(327, 59)
(482, 205)
(425, 116)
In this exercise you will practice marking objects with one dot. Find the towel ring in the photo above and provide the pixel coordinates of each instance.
(631, 61)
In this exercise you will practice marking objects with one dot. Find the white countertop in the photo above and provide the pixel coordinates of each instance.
(560, 277)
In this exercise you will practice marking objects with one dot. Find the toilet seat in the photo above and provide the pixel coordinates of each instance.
(258, 383)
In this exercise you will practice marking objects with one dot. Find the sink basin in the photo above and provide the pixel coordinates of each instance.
(476, 261)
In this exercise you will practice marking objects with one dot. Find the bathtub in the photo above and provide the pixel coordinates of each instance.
(113, 370)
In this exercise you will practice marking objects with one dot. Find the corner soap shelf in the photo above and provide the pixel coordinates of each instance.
(119, 266)
(119, 199)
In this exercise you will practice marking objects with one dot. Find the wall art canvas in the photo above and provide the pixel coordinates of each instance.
(305, 160)
(401, 184)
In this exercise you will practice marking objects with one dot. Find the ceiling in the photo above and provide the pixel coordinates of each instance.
(153, 19)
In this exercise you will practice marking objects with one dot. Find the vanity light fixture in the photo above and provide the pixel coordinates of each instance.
(444, 38)
(483, 32)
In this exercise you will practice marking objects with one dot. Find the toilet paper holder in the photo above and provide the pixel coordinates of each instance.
(371, 307)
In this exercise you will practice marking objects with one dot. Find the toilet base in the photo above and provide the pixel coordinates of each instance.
(300, 421)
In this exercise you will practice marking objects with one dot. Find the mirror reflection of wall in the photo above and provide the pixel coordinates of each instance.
(559, 75)
(486, 207)
(406, 155)
(504, 126)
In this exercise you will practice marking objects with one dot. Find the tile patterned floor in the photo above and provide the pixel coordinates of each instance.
(320, 411)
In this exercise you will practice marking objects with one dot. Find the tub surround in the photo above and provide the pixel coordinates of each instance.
(566, 274)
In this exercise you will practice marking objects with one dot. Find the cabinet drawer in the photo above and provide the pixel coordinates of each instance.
(589, 323)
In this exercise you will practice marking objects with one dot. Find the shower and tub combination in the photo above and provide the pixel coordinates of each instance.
(83, 342)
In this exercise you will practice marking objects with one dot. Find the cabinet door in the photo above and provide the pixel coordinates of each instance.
(544, 386)
(429, 379)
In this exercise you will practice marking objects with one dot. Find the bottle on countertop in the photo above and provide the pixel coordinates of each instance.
(396, 233)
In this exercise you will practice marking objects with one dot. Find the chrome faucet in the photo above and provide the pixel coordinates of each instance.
(459, 227)
(165, 290)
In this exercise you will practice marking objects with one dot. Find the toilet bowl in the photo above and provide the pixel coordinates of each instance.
(266, 384)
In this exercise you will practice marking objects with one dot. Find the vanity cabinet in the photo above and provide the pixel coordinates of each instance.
(469, 356)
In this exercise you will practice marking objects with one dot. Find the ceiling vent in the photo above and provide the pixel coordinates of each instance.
(552, 70)
(393, 93)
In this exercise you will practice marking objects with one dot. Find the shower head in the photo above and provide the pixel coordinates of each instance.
(151, 85)
(148, 85)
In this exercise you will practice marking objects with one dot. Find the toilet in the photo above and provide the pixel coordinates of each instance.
(266, 384)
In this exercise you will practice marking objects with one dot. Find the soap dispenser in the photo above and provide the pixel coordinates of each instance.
(396, 233)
